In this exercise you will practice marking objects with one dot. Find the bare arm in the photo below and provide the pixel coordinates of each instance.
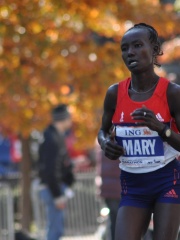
(109, 108)
(173, 94)
(105, 134)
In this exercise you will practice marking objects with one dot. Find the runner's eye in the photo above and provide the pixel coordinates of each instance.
(124, 48)
(137, 45)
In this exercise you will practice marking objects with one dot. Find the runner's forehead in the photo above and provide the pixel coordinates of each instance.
(138, 34)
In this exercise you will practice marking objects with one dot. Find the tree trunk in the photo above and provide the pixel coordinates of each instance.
(25, 185)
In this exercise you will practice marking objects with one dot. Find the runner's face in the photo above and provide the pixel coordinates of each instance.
(137, 50)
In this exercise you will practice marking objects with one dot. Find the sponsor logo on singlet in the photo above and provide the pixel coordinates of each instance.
(122, 117)
(159, 117)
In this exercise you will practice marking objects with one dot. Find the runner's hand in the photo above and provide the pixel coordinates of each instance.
(147, 118)
(110, 147)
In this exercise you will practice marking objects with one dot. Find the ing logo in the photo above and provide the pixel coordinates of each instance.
(146, 132)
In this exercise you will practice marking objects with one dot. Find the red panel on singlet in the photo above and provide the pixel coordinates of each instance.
(157, 103)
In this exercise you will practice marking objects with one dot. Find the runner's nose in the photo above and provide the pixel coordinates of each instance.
(130, 51)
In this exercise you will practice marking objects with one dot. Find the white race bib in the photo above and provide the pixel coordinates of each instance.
(143, 146)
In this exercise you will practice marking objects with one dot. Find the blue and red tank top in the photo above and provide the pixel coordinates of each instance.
(145, 151)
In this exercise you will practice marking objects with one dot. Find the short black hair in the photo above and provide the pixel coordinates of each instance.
(60, 112)
(154, 39)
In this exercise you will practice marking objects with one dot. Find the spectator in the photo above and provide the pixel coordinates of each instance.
(55, 171)
(108, 174)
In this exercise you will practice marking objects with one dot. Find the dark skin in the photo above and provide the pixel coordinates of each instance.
(133, 222)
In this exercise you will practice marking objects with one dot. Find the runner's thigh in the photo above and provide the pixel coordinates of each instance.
(166, 221)
(132, 223)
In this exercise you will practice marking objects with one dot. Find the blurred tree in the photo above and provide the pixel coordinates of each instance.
(55, 51)
(49, 46)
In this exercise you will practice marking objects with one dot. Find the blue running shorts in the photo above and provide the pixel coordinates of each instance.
(145, 189)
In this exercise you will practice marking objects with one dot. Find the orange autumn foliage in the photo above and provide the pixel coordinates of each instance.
(48, 46)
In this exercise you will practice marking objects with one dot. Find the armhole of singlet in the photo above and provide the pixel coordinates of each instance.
(162, 85)
(163, 94)
(161, 90)
(122, 90)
